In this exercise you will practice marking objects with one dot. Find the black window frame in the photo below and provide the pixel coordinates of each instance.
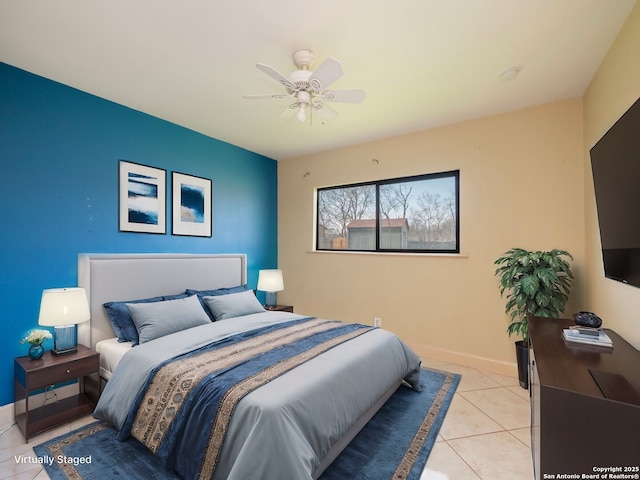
(454, 174)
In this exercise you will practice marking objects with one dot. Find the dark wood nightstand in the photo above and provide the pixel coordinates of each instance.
(280, 308)
(31, 376)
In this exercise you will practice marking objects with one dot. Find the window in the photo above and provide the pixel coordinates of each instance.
(410, 214)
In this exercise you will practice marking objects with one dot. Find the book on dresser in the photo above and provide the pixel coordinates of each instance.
(590, 336)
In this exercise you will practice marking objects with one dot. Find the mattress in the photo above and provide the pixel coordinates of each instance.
(111, 352)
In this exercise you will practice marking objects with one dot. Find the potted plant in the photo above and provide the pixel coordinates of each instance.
(534, 283)
(36, 338)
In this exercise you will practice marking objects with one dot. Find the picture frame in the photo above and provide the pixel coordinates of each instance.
(191, 205)
(142, 198)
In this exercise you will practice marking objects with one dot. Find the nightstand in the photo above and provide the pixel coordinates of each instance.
(280, 308)
(31, 376)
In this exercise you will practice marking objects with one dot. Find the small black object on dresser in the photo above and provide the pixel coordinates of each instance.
(587, 319)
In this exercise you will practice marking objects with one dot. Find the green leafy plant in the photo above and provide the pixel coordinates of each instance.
(535, 283)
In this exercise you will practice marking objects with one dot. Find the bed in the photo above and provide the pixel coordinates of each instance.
(291, 424)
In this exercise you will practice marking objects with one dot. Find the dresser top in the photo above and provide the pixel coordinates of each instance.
(576, 367)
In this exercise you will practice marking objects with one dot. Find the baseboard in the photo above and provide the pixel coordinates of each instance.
(466, 359)
(6, 414)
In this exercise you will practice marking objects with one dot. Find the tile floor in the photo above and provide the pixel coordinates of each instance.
(485, 435)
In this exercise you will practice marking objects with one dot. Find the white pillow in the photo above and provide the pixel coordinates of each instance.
(233, 305)
(154, 320)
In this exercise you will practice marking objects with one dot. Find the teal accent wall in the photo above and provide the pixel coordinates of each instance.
(59, 153)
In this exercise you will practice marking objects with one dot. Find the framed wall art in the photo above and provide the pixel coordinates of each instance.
(142, 198)
(191, 205)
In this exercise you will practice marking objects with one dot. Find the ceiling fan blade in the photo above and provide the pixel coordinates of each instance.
(268, 95)
(290, 111)
(328, 72)
(324, 111)
(346, 96)
(273, 73)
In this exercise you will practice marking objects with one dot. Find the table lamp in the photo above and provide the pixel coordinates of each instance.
(63, 308)
(270, 281)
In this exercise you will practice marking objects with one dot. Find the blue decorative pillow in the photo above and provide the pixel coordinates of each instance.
(173, 297)
(121, 320)
(157, 319)
(233, 305)
(214, 293)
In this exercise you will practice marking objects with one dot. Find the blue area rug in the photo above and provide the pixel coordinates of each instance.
(395, 444)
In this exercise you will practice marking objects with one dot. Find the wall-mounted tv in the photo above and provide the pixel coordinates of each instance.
(615, 163)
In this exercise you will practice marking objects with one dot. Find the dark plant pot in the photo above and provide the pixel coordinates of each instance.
(522, 355)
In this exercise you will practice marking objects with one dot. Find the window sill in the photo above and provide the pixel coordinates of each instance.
(390, 254)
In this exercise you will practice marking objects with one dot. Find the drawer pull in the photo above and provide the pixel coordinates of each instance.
(68, 371)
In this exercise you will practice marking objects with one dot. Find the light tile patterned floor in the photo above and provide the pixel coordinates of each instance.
(485, 435)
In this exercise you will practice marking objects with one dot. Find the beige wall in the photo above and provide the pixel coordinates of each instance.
(521, 184)
(613, 90)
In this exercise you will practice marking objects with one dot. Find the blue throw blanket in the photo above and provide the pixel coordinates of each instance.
(182, 414)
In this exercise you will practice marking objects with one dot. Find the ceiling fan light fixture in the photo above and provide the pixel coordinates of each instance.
(308, 87)
(302, 115)
(304, 98)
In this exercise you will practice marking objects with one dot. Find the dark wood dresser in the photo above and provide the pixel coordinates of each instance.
(585, 404)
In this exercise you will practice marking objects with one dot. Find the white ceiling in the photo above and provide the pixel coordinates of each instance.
(422, 63)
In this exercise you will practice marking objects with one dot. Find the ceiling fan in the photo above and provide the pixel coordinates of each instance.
(308, 88)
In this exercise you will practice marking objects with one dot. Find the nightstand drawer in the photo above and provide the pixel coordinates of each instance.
(63, 372)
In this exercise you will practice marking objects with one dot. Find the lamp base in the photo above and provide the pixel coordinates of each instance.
(57, 353)
(64, 340)
(271, 300)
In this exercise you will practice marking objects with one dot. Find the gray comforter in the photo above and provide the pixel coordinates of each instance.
(285, 428)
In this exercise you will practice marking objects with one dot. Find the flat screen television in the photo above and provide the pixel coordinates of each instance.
(615, 163)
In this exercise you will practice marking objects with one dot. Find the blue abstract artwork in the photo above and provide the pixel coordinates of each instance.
(142, 198)
(192, 203)
(143, 202)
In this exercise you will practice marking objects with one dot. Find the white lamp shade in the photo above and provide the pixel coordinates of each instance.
(63, 306)
(270, 281)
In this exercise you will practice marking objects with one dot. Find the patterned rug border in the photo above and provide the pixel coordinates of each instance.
(418, 442)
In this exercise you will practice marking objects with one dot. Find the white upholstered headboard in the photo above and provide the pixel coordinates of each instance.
(121, 277)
